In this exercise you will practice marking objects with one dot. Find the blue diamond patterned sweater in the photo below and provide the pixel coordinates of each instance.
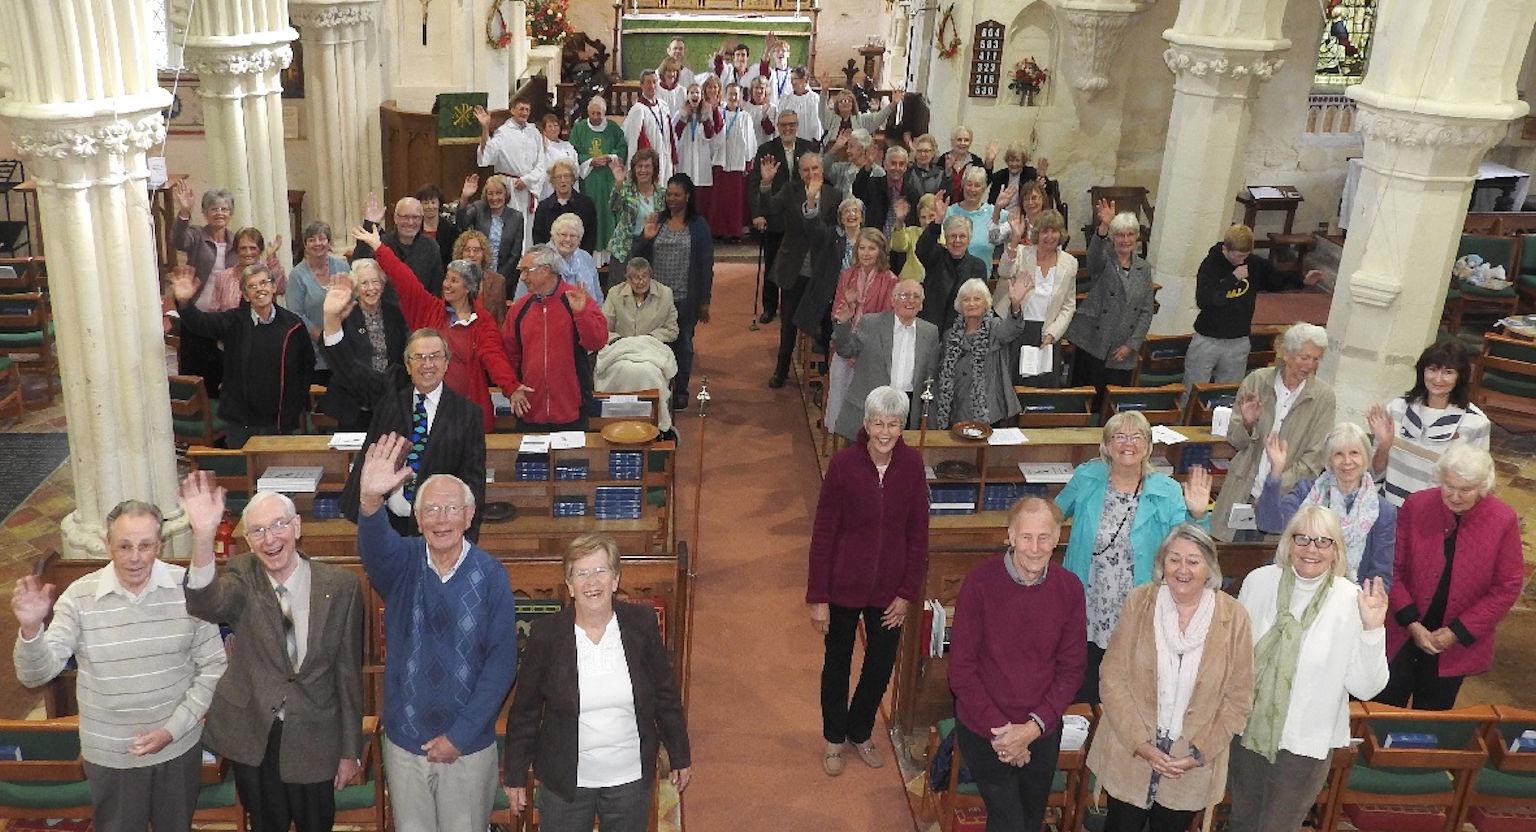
(452, 647)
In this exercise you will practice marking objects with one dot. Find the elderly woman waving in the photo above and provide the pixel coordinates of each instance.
(1112, 321)
(974, 382)
(869, 551)
(1121, 511)
(1179, 685)
(1369, 520)
(1287, 400)
(1459, 570)
(1318, 641)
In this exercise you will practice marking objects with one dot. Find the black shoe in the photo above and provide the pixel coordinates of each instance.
(679, 402)
(776, 382)
(765, 318)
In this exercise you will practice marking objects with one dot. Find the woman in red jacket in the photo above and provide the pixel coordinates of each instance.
(1457, 572)
(869, 550)
(470, 332)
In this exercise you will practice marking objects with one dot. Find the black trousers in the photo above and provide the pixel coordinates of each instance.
(842, 720)
(1015, 795)
(1416, 676)
(789, 301)
(1089, 692)
(199, 356)
(771, 241)
(1089, 370)
(682, 345)
(1123, 817)
(274, 805)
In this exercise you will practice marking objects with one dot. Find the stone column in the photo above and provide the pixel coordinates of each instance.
(1428, 117)
(1098, 27)
(237, 48)
(1219, 51)
(341, 93)
(82, 120)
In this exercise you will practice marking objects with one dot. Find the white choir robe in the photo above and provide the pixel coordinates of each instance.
(685, 76)
(758, 113)
(778, 80)
(655, 121)
(518, 151)
(736, 143)
(675, 98)
(695, 148)
(808, 108)
(555, 150)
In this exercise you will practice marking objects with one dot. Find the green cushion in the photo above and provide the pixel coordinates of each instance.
(33, 338)
(498, 804)
(1159, 379)
(1475, 292)
(1500, 251)
(1452, 294)
(1054, 402)
(362, 796)
(1517, 350)
(218, 795)
(1528, 280)
(44, 745)
(186, 426)
(45, 795)
(1059, 781)
(1363, 778)
(1491, 781)
(1523, 386)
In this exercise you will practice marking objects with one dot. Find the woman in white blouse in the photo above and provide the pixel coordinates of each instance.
(595, 697)
(1416, 428)
(1318, 640)
(1051, 275)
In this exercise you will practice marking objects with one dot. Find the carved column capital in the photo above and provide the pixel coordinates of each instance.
(1420, 130)
(1097, 31)
(41, 140)
(332, 15)
(207, 61)
(1219, 72)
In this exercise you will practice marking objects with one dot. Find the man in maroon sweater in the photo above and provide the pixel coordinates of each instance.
(1016, 658)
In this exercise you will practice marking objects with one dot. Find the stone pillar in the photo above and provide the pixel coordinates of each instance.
(1428, 117)
(237, 48)
(1219, 51)
(82, 120)
(1098, 27)
(341, 93)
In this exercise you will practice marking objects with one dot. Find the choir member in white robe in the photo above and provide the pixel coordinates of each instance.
(735, 145)
(775, 70)
(764, 114)
(649, 124)
(804, 102)
(669, 89)
(677, 50)
(554, 148)
(516, 151)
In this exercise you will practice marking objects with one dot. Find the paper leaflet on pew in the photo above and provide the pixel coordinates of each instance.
(347, 441)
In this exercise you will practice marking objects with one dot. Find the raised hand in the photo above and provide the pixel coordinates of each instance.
(1381, 425)
(1197, 491)
(202, 500)
(373, 209)
(1249, 409)
(383, 468)
(578, 298)
(1275, 448)
(272, 248)
(370, 238)
(991, 152)
(183, 280)
(901, 208)
(1373, 604)
(471, 186)
(1018, 290)
(768, 167)
(1041, 166)
(941, 205)
(483, 117)
(183, 193)
(1104, 211)
(652, 226)
(31, 603)
(1006, 197)
(339, 299)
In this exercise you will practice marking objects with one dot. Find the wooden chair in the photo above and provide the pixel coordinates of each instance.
(361, 802)
(1159, 404)
(652, 398)
(1411, 778)
(1525, 275)
(20, 274)
(1207, 397)
(1503, 381)
(26, 329)
(1127, 198)
(1508, 781)
(1069, 786)
(49, 780)
(11, 400)
(1262, 345)
(320, 422)
(193, 421)
(1462, 298)
(1056, 407)
(1481, 222)
(217, 800)
(1162, 360)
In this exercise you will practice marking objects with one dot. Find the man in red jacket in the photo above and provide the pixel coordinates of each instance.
(548, 334)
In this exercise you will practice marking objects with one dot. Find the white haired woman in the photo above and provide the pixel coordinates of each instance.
(1286, 399)
(1122, 509)
(1112, 321)
(1050, 277)
(1459, 570)
(974, 383)
(1318, 640)
(563, 200)
(1345, 485)
(1178, 685)
(869, 552)
(576, 265)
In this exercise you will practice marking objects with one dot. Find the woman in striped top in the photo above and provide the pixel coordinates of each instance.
(1413, 430)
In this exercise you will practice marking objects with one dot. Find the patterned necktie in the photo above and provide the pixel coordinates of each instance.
(418, 445)
(289, 636)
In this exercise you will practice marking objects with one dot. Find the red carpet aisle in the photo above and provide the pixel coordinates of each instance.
(754, 715)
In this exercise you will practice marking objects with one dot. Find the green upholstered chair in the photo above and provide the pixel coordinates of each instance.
(361, 802)
(1159, 404)
(1161, 361)
(1413, 778)
(1462, 298)
(1056, 407)
(1069, 785)
(1508, 781)
(193, 420)
(1504, 381)
(1206, 398)
(48, 781)
(217, 801)
(26, 334)
(1525, 277)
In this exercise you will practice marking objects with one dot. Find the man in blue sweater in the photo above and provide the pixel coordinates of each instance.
(452, 641)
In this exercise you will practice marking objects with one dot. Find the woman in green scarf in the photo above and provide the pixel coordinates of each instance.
(1318, 639)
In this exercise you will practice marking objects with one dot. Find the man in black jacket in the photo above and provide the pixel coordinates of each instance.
(446, 432)
(414, 248)
(798, 205)
(786, 150)
(948, 266)
(364, 342)
(268, 357)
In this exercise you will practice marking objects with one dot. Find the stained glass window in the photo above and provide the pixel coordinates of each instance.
(1346, 45)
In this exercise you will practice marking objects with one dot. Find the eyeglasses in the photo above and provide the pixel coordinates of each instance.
(263, 283)
(399, 217)
(261, 532)
(1322, 544)
(583, 574)
(908, 296)
(1127, 438)
(433, 510)
(427, 357)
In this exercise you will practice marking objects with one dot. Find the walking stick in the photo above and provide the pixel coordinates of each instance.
(757, 291)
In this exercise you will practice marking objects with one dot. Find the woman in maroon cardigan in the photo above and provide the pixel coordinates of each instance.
(869, 549)
(1457, 572)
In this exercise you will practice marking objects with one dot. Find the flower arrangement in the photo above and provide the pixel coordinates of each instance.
(948, 47)
(548, 21)
(1028, 79)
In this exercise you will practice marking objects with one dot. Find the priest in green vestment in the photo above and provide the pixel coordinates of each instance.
(597, 141)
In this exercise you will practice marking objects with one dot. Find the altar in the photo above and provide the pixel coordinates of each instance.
(643, 34)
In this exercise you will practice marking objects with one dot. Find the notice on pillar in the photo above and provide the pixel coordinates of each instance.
(456, 122)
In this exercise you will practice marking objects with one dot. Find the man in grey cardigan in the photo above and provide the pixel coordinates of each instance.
(147, 672)
(894, 348)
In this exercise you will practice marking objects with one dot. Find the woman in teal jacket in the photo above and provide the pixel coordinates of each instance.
(1121, 510)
